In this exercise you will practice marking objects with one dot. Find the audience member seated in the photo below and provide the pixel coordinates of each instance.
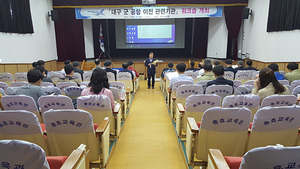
(220, 80)
(192, 67)
(217, 63)
(181, 76)
(33, 89)
(42, 63)
(77, 69)
(125, 69)
(229, 67)
(207, 61)
(98, 63)
(99, 85)
(201, 70)
(240, 65)
(168, 69)
(266, 84)
(208, 74)
(108, 68)
(249, 63)
(278, 75)
(45, 78)
(65, 62)
(69, 69)
(34, 64)
(294, 73)
(130, 63)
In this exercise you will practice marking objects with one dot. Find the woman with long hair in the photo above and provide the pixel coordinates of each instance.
(99, 85)
(266, 84)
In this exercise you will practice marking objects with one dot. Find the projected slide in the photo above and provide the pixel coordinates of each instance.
(164, 34)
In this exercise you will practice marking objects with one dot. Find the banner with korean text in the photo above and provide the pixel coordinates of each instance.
(149, 12)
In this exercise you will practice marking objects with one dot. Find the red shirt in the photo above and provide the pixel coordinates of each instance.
(136, 73)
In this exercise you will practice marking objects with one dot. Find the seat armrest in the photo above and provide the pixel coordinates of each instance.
(117, 108)
(217, 159)
(180, 108)
(74, 159)
(102, 127)
(193, 125)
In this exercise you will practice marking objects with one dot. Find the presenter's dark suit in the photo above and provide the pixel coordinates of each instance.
(220, 81)
(151, 70)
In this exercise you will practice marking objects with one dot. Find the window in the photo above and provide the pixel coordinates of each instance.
(15, 16)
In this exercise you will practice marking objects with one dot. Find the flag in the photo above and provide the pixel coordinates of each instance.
(101, 39)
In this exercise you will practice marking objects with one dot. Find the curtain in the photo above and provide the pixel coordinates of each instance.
(5, 18)
(15, 16)
(233, 19)
(200, 38)
(69, 36)
(284, 15)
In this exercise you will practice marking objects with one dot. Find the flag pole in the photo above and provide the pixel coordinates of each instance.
(101, 42)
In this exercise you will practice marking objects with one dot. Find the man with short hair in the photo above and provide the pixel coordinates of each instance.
(220, 80)
(69, 69)
(217, 63)
(278, 75)
(34, 64)
(125, 69)
(240, 65)
(108, 68)
(249, 63)
(130, 63)
(208, 74)
(294, 73)
(98, 63)
(229, 67)
(33, 89)
(168, 69)
(192, 67)
(181, 76)
(42, 70)
(65, 62)
(207, 61)
(42, 63)
(151, 63)
(77, 69)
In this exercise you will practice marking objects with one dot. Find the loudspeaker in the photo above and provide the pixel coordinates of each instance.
(54, 15)
(246, 13)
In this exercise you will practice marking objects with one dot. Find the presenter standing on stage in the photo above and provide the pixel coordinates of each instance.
(151, 63)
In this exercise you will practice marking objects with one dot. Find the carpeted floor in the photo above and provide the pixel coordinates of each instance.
(148, 139)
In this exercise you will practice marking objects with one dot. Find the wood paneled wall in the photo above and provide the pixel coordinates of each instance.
(14, 68)
(138, 66)
(282, 66)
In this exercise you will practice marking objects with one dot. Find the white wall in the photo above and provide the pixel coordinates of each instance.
(88, 38)
(27, 48)
(217, 38)
(268, 47)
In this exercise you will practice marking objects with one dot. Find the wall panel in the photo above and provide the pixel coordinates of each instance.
(23, 68)
(11, 69)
